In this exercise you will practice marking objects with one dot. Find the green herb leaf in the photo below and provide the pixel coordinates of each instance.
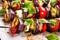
(52, 37)
(27, 21)
(53, 2)
(30, 8)
(2, 11)
(53, 22)
(43, 21)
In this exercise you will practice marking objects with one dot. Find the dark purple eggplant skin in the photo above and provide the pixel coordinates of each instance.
(48, 13)
(25, 14)
(59, 27)
(37, 13)
(21, 25)
(59, 13)
(45, 4)
(21, 5)
(37, 26)
(12, 14)
(48, 27)
(36, 3)
(37, 10)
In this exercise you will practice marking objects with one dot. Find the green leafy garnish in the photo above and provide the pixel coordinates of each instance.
(27, 21)
(52, 37)
(43, 21)
(30, 8)
(28, 4)
(2, 11)
(53, 2)
(53, 22)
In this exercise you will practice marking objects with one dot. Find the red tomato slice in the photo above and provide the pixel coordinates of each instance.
(13, 30)
(43, 12)
(44, 28)
(42, 15)
(56, 27)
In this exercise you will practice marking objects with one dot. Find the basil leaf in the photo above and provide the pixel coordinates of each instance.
(27, 4)
(27, 21)
(43, 21)
(2, 11)
(30, 8)
(53, 22)
(53, 2)
(52, 37)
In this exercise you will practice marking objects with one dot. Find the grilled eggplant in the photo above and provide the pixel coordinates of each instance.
(54, 12)
(30, 25)
(7, 16)
(5, 4)
(42, 25)
(15, 26)
(15, 5)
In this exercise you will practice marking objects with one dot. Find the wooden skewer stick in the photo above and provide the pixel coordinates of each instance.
(4, 27)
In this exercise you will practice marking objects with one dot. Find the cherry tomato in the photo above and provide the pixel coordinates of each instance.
(56, 27)
(43, 12)
(13, 30)
(44, 28)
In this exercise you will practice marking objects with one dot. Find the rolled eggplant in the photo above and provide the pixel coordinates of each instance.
(13, 15)
(42, 25)
(54, 12)
(7, 16)
(15, 5)
(5, 4)
(14, 26)
(30, 25)
(33, 27)
(21, 26)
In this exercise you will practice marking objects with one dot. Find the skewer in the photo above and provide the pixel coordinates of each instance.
(4, 27)
(58, 19)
